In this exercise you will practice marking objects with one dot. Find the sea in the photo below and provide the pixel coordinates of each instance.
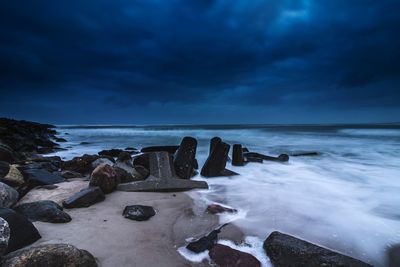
(346, 199)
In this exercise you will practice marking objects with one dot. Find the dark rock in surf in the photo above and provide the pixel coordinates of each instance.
(50, 255)
(302, 154)
(280, 158)
(226, 256)
(84, 198)
(138, 212)
(237, 155)
(110, 152)
(60, 140)
(215, 209)
(185, 157)
(105, 177)
(162, 177)
(44, 211)
(252, 159)
(22, 231)
(216, 162)
(206, 242)
(285, 250)
(169, 149)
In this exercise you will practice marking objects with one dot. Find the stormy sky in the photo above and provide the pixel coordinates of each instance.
(200, 61)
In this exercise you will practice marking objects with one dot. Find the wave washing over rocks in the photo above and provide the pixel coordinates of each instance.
(261, 195)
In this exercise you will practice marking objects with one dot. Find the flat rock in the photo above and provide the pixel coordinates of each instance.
(63, 191)
(8, 196)
(4, 236)
(51, 255)
(44, 211)
(105, 177)
(22, 231)
(139, 212)
(226, 256)
(42, 177)
(285, 250)
(162, 177)
(84, 198)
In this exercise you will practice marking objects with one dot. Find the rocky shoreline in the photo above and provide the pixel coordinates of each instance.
(82, 212)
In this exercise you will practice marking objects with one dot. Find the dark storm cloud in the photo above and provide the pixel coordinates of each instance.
(75, 56)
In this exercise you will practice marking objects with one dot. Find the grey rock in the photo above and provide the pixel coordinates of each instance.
(285, 250)
(8, 196)
(42, 177)
(44, 211)
(162, 177)
(84, 198)
(4, 236)
(51, 255)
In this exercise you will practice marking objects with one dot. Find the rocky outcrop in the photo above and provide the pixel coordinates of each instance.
(185, 157)
(285, 250)
(85, 198)
(8, 196)
(216, 161)
(138, 212)
(105, 177)
(4, 236)
(51, 255)
(215, 209)
(162, 177)
(44, 211)
(22, 231)
(225, 256)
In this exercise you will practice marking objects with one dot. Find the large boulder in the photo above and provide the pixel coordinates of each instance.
(226, 256)
(14, 177)
(216, 161)
(105, 177)
(4, 236)
(285, 250)
(4, 168)
(44, 211)
(138, 212)
(185, 158)
(8, 196)
(22, 231)
(84, 198)
(162, 177)
(50, 255)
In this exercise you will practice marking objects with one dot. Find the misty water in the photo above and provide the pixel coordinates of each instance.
(346, 199)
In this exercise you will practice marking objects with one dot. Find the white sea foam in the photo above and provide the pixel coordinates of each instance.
(347, 199)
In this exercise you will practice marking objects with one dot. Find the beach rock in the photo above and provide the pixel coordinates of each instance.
(4, 168)
(124, 156)
(7, 154)
(185, 158)
(280, 158)
(50, 255)
(85, 198)
(205, 242)
(70, 174)
(216, 161)
(393, 253)
(63, 191)
(110, 152)
(213, 142)
(252, 159)
(42, 177)
(169, 149)
(4, 236)
(226, 256)
(237, 155)
(80, 164)
(142, 160)
(162, 177)
(100, 161)
(44, 211)
(302, 154)
(138, 212)
(8, 196)
(285, 250)
(22, 231)
(215, 209)
(104, 177)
